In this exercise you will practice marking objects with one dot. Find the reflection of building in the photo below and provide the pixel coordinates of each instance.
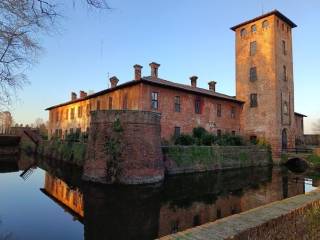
(131, 212)
(263, 107)
(5, 122)
(60, 192)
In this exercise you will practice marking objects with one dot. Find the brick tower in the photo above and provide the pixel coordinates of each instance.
(264, 79)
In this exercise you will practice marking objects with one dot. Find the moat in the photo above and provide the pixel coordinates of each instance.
(45, 199)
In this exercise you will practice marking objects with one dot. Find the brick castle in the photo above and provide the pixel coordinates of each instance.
(263, 107)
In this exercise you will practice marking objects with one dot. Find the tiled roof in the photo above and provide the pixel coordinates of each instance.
(159, 82)
(188, 88)
(274, 12)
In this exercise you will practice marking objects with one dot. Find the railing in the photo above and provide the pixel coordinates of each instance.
(297, 150)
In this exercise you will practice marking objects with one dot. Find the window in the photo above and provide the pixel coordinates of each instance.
(57, 117)
(284, 51)
(285, 108)
(282, 26)
(79, 111)
(233, 112)
(125, 102)
(177, 103)
(253, 100)
(253, 74)
(197, 105)
(253, 28)
(284, 73)
(72, 113)
(98, 105)
(253, 139)
(243, 32)
(233, 133)
(110, 102)
(277, 22)
(177, 132)
(219, 132)
(219, 110)
(154, 100)
(71, 130)
(67, 114)
(88, 109)
(253, 48)
(265, 24)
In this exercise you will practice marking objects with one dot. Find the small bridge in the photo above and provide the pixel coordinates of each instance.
(297, 158)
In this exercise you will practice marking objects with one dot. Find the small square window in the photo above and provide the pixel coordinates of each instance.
(219, 110)
(177, 103)
(233, 112)
(197, 105)
(177, 131)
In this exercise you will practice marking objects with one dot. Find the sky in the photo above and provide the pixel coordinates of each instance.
(187, 37)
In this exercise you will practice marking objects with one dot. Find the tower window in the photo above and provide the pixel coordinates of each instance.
(253, 100)
(284, 51)
(284, 74)
(219, 110)
(253, 74)
(154, 100)
(177, 103)
(243, 32)
(285, 108)
(253, 48)
(265, 24)
(253, 28)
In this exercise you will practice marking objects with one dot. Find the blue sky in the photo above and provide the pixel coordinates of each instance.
(186, 37)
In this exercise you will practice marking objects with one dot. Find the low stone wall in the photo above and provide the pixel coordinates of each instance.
(70, 152)
(187, 159)
(312, 139)
(292, 218)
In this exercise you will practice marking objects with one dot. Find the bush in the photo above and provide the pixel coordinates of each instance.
(184, 139)
(229, 140)
(208, 139)
(199, 132)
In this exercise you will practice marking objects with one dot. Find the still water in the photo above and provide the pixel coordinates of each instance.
(45, 199)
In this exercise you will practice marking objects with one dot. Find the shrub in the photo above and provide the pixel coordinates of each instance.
(199, 132)
(229, 140)
(184, 139)
(208, 139)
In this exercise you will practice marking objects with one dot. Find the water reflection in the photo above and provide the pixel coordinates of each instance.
(148, 212)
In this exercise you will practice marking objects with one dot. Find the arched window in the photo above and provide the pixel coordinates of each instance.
(265, 24)
(253, 28)
(243, 32)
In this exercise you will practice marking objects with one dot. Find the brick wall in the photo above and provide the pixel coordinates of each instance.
(132, 155)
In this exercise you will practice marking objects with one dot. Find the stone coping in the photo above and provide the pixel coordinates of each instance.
(229, 227)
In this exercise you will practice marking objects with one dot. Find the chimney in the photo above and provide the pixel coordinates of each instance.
(114, 81)
(154, 70)
(193, 81)
(137, 71)
(212, 86)
(83, 94)
(73, 96)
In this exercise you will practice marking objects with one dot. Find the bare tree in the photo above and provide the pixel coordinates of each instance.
(21, 22)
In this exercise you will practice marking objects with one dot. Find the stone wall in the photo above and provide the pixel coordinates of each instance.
(186, 159)
(312, 139)
(124, 147)
(292, 218)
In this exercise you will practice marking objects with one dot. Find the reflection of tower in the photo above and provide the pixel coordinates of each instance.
(264, 79)
(115, 212)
